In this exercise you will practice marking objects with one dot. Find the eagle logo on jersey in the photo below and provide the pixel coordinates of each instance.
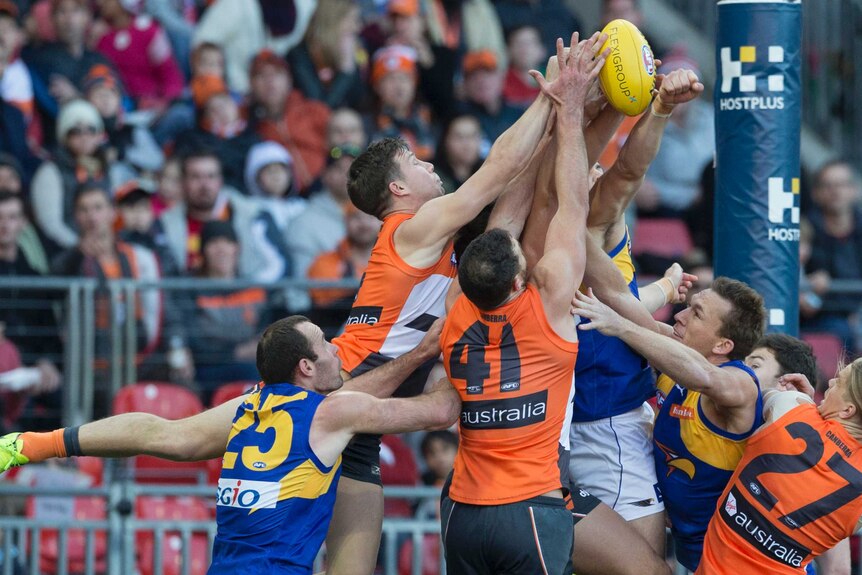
(675, 462)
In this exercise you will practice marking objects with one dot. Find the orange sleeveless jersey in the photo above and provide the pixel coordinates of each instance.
(515, 376)
(396, 303)
(796, 493)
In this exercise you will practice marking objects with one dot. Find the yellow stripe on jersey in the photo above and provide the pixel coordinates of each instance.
(711, 448)
(664, 384)
(306, 481)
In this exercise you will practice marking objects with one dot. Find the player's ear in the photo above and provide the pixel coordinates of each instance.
(306, 367)
(849, 410)
(397, 187)
(723, 346)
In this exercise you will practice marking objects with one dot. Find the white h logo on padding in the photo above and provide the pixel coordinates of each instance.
(781, 200)
(731, 69)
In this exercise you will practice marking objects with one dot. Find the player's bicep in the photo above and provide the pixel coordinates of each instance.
(557, 275)
(611, 196)
(730, 387)
(205, 435)
(777, 403)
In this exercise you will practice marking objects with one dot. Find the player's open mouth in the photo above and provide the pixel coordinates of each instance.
(676, 334)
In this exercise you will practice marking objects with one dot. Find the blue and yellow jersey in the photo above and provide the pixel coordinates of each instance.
(611, 378)
(275, 497)
(694, 460)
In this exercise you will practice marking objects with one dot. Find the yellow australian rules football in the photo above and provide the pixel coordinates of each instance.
(628, 76)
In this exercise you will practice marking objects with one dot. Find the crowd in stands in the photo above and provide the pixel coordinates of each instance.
(211, 139)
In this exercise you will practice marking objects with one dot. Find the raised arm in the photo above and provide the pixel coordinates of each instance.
(616, 188)
(561, 268)
(437, 221)
(382, 381)
(346, 413)
(726, 388)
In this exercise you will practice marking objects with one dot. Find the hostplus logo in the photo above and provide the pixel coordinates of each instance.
(739, 71)
(783, 204)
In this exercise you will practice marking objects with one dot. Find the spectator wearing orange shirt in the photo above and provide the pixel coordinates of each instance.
(281, 114)
(348, 260)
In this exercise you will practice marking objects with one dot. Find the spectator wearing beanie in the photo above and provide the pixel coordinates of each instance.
(483, 93)
(281, 114)
(243, 28)
(220, 127)
(79, 158)
(394, 77)
(269, 179)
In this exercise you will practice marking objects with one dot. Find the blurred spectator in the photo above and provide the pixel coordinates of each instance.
(836, 252)
(245, 27)
(269, 179)
(345, 127)
(59, 68)
(79, 158)
(347, 261)
(133, 144)
(16, 86)
(552, 19)
(207, 59)
(226, 325)
(465, 24)
(12, 126)
(321, 225)
(329, 64)
(100, 255)
(457, 155)
(262, 255)
(37, 248)
(687, 147)
(141, 53)
(26, 315)
(526, 53)
(281, 114)
(810, 301)
(220, 127)
(627, 10)
(399, 115)
(438, 450)
(177, 19)
(437, 63)
(483, 92)
(169, 190)
(138, 225)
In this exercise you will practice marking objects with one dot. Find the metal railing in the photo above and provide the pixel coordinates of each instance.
(173, 546)
(831, 66)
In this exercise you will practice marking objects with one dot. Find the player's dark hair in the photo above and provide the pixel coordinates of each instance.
(745, 323)
(793, 355)
(443, 435)
(280, 349)
(371, 173)
(487, 269)
(198, 154)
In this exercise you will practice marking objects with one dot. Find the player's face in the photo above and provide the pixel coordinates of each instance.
(835, 400)
(328, 365)
(767, 369)
(698, 325)
(420, 177)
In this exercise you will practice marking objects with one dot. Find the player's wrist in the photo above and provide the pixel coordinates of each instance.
(667, 288)
(659, 109)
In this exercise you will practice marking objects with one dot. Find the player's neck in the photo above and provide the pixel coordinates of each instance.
(514, 295)
(853, 427)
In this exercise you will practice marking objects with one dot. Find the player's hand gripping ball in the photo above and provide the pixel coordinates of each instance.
(628, 76)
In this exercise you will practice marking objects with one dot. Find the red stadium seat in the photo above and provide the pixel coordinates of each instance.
(828, 350)
(397, 467)
(661, 237)
(430, 556)
(171, 402)
(172, 510)
(82, 509)
(229, 391)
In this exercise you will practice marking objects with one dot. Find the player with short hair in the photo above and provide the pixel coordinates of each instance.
(509, 348)
(709, 401)
(282, 459)
(764, 522)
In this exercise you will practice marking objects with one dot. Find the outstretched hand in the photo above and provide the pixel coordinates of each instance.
(578, 67)
(601, 317)
(681, 281)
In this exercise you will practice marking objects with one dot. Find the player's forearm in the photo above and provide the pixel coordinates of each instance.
(133, 434)
(434, 409)
(382, 381)
(653, 297)
(598, 133)
(684, 365)
(513, 149)
(570, 177)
